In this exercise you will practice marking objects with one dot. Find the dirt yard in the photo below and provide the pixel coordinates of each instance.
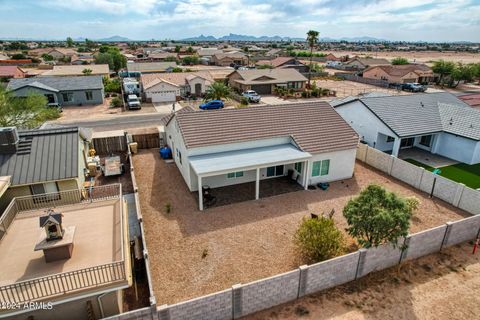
(345, 88)
(442, 286)
(195, 253)
(416, 56)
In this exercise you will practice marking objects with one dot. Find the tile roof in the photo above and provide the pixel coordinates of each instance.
(417, 114)
(10, 71)
(277, 62)
(59, 83)
(175, 78)
(370, 61)
(43, 155)
(258, 76)
(315, 127)
(401, 70)
(150, 66)
(77, 70)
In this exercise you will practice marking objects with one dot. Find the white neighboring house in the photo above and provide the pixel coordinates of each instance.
(231, 146)
(436, 122)
(168, 87)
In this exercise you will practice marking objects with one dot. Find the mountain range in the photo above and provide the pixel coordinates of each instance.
(241, 37)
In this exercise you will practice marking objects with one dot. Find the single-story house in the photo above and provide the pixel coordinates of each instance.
(169, 87)
(232, 146)
(77, 90)
(472, 99)
(363, 63)
(284, 62)
(229, 58)
(263, 81)
(82, 58)
(61, 53)
(9, 72)
(151, 67)
(401, 73)
(275, 52)
(439, 123)
(42, 161)
(77, 70)
(208, 52)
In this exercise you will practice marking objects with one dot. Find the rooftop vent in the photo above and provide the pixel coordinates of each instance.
(8, 140)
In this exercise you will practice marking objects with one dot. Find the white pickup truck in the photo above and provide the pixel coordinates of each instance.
(133, 102)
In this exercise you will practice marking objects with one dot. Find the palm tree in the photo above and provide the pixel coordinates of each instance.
(218, 91)
(312, 39)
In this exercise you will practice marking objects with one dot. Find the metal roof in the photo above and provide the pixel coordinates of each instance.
(59, 83)
(246, 159)
(43, 155)
(315, 127)
(414, 114)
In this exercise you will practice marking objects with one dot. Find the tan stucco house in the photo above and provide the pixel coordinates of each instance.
(263, 81)
(401, 73)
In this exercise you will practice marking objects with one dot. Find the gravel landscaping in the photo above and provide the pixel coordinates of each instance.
(193, 253)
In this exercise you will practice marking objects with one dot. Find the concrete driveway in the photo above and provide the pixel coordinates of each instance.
(166, 107)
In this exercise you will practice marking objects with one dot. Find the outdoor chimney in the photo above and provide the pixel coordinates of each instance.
(8, 140)
(52, 223)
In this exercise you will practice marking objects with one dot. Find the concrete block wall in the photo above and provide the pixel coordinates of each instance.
(331, 273)
(362, 152)
(379, 258)
(424, 243)
(216, 306)
(269, 292)
(406, 172)
(445, 189)
(144, 314)
(470, 201)
(379, 160)
(426, 182)
(462, 230)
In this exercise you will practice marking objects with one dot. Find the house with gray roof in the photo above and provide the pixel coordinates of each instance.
(264, 81)
(309, 142)
(65, 91)
(439, 123)
(42, 161)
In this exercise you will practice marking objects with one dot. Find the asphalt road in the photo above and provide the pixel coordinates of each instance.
(117, 122)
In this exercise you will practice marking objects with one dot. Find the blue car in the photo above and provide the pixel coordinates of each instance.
(213, 104)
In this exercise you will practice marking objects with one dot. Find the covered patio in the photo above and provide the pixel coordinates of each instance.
(426, 157)
(238, 173)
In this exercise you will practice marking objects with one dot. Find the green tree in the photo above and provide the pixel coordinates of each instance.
(18, 56)
(399, 61)
(190, 60)
(69, 42)
(377, 216)
(90, 44)
(443, 68)
(116, 102)
(312, 39)
(462, 72)
(265, 66)
(111, 56)
(28, 112)
(87, 72)
(319, 239)
(190, 50)
(177, 70)
(177, 49)
(218, 91)
(111, 85)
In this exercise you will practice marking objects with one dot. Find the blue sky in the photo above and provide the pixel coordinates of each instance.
(439, 20)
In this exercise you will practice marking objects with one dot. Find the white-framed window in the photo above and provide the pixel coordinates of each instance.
(234, 175)
(426, 140)
(320, 168)
(275, 171)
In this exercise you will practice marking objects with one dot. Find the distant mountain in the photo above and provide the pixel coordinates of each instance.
(114, 39)
(241, 37)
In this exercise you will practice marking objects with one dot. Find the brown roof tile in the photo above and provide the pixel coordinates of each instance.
(315, 127)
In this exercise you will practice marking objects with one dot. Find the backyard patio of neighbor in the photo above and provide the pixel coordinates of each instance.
(193, 253)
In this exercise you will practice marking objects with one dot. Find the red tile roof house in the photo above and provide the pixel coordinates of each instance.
(8, 72)
(310, 142)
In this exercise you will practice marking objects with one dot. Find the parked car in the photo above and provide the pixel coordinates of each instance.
(251, 95)
(213, 104)
(55, 106)
(133, 102)
(413, 87)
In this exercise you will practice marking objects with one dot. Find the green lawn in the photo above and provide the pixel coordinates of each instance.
(469, 175)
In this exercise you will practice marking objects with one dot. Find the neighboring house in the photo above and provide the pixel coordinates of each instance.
(275, 52)
(9, 72)
(42, 161)
(285, 62)
(61, 53)
(363, 63)
(401, 73)
(264, 81)
(229, 58)
(436, 122)
(82, 58)
(208, 52)
(66, 91)
(231, 146)
(77, 70)
(151, 67)
(169, 87)
(473, 99)
(332, 57)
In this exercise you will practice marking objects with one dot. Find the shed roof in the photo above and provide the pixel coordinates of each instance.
(58, 83)
(315, 127)
(43, 155)
(77, 70)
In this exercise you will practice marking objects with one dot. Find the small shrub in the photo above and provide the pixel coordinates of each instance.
(168, 207)
(319, 239)
(244, 101)
(116, 102)
(204, 253)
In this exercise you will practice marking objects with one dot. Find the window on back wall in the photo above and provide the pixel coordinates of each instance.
(89, 95)
(233, 175)
(275, 171)
(298, 167)
(426, 141)
(390, 139)
(320, 168)
(67, 96)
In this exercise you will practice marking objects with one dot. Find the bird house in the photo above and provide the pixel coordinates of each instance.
(52, 223)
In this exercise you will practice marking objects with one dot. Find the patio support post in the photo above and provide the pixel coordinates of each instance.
(396, 147)
(257, 184)
(305, 185)
(200, 193)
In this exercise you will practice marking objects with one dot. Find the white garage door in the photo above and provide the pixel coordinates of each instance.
(163, 96)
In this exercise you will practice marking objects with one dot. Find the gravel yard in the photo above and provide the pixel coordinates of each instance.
(195, 253)
(345, 88)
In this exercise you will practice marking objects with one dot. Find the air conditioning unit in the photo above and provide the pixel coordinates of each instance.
(8, 140)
